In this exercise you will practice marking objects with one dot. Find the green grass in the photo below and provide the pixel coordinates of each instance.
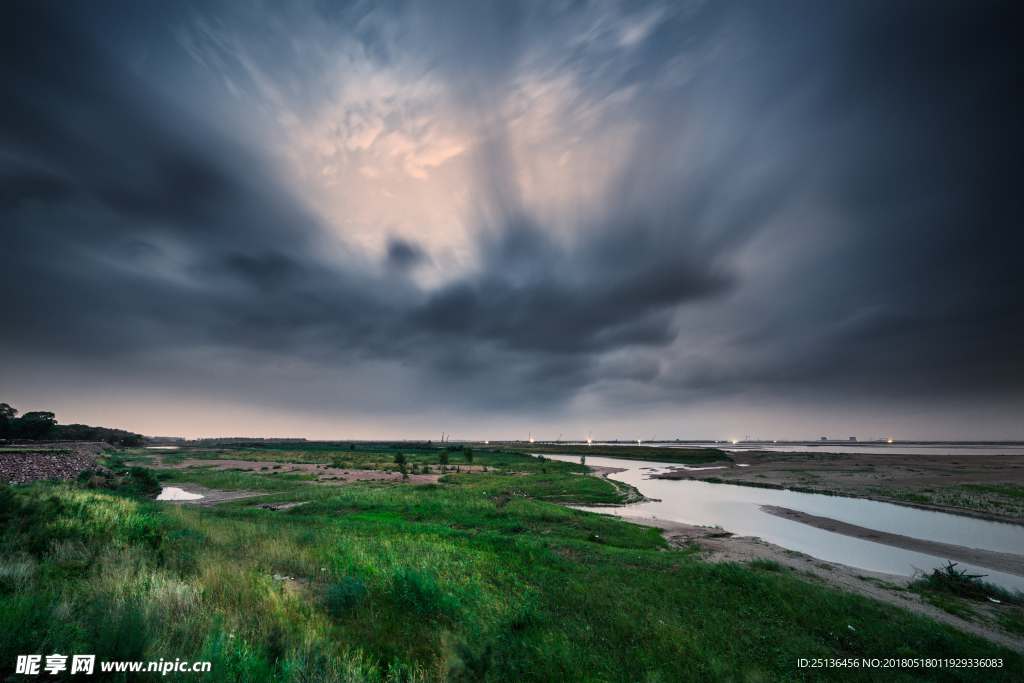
(1007, 490)
(1012, 621)
(477, 578)
(686, 456)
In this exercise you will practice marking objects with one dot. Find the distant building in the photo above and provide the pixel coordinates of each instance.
(824, 438)
(853, 438)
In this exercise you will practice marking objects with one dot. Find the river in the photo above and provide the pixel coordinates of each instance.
(737, 509)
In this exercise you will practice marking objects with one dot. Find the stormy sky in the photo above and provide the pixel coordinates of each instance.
(631, 219)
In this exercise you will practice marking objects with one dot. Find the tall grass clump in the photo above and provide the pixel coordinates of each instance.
(959, 583)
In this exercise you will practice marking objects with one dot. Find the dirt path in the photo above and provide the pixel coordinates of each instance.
(720, 546)
(1003, 562)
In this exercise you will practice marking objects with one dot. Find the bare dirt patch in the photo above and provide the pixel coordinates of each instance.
(325, 473)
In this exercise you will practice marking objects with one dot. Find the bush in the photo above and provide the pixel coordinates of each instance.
(144, 480)
(442, 457)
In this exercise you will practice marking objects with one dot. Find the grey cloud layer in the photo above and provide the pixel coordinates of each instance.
(129, 226)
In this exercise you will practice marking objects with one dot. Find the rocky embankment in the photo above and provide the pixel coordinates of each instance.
(26, 466)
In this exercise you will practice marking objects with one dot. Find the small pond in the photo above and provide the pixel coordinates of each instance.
(174, 493)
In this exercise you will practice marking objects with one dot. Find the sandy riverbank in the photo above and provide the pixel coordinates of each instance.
(1002, 562)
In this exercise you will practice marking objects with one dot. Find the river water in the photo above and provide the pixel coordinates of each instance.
(737, 509)
(862, 447)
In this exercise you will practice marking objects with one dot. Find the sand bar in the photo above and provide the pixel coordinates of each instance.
(1003, 562)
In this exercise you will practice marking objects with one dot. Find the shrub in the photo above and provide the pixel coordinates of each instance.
(144, 481)
(442, 457)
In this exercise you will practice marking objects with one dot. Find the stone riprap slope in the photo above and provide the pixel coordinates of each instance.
(24, 466)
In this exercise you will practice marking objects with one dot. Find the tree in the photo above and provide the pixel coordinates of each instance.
(7, 414)
(442, 457)
(34, 425)
(399, 458)
(468, 452)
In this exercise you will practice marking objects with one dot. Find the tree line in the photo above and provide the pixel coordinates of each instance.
(41, 425)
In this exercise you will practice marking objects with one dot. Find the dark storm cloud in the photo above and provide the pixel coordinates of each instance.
(129, 226)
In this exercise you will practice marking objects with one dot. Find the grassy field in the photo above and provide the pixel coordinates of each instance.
(381, 455)
(686, 456)
(477, 578)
